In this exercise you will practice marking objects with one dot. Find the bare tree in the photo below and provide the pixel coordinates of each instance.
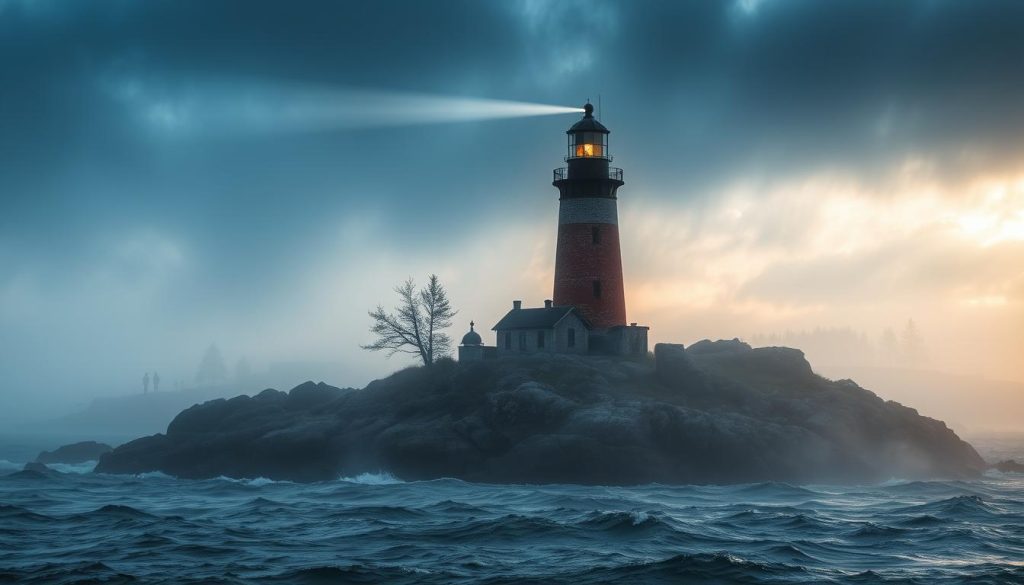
(416, 326)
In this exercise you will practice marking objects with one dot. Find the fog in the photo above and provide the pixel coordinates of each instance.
(794, 175)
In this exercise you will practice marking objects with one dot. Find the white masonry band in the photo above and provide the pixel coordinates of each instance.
(588, 210)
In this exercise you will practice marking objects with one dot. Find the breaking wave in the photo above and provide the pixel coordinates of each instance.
(379, 478)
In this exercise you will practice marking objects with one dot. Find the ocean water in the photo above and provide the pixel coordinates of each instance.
(74, 526)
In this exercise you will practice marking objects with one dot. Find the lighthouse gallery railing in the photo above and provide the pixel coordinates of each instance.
(614, 173)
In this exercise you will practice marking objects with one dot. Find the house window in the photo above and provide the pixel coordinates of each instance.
(540, 339)
(595, 235)
(522, 342)
(572, 338)
(597, 289)
(508, 340)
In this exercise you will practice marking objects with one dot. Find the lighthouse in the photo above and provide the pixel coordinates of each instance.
(587, 312)
(588, 261)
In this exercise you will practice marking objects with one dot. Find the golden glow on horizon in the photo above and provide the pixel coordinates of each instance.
(828, 250)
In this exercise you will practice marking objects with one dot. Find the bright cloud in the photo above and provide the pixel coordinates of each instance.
(828, 250)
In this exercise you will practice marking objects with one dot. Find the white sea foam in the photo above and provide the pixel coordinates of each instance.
(83, 467)
(379, 478)
(154, 475)
(894, 481)
(259, 481)
(639, 517)
(254, 482)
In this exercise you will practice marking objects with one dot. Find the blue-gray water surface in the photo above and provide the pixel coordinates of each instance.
(76, 527)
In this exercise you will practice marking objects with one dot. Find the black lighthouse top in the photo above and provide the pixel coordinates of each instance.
(588, 173)
(588, 122)
(588, 138)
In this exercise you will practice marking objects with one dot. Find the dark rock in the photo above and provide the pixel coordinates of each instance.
(728, 346)
(716, 412)
(1009, 466)
(75, 453)
(675, 368)
(309, 395)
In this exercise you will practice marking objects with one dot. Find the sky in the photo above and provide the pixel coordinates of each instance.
(260, 174)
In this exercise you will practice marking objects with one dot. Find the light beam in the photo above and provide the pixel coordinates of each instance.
(231, 108)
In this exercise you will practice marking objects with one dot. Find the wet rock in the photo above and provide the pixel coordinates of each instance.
(75, 453)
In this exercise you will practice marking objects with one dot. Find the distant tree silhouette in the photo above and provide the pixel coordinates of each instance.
(417, 323)
(156, 382)
(145, 383)
(212, 369)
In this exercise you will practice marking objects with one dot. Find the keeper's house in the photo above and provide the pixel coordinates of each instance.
(550, 329)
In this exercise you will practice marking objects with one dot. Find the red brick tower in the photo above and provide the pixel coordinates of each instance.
(588, 263)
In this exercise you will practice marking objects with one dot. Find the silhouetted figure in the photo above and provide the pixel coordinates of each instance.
(156, 381)
(145, 383)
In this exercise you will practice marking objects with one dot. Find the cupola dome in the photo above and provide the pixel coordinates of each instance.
(472, 338)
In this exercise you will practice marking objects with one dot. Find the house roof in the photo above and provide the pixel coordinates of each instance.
(542, 318)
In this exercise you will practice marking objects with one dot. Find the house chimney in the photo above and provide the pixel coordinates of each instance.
(516, 305)
(547, 304)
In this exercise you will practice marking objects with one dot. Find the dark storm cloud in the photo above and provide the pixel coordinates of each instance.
(695, 91)
(804, 83)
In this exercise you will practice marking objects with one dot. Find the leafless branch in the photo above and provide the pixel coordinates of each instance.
(417, 323)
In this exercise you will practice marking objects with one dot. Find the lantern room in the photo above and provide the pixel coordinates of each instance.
(588, 138)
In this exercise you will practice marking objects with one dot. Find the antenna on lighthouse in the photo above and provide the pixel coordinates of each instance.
(599, 106)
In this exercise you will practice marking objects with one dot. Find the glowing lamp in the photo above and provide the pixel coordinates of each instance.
(588, 138)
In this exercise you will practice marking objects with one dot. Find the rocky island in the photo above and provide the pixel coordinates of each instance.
(716, 412)
(74, 453)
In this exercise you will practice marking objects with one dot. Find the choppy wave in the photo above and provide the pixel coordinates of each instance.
(76, 527)
(379, 478)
